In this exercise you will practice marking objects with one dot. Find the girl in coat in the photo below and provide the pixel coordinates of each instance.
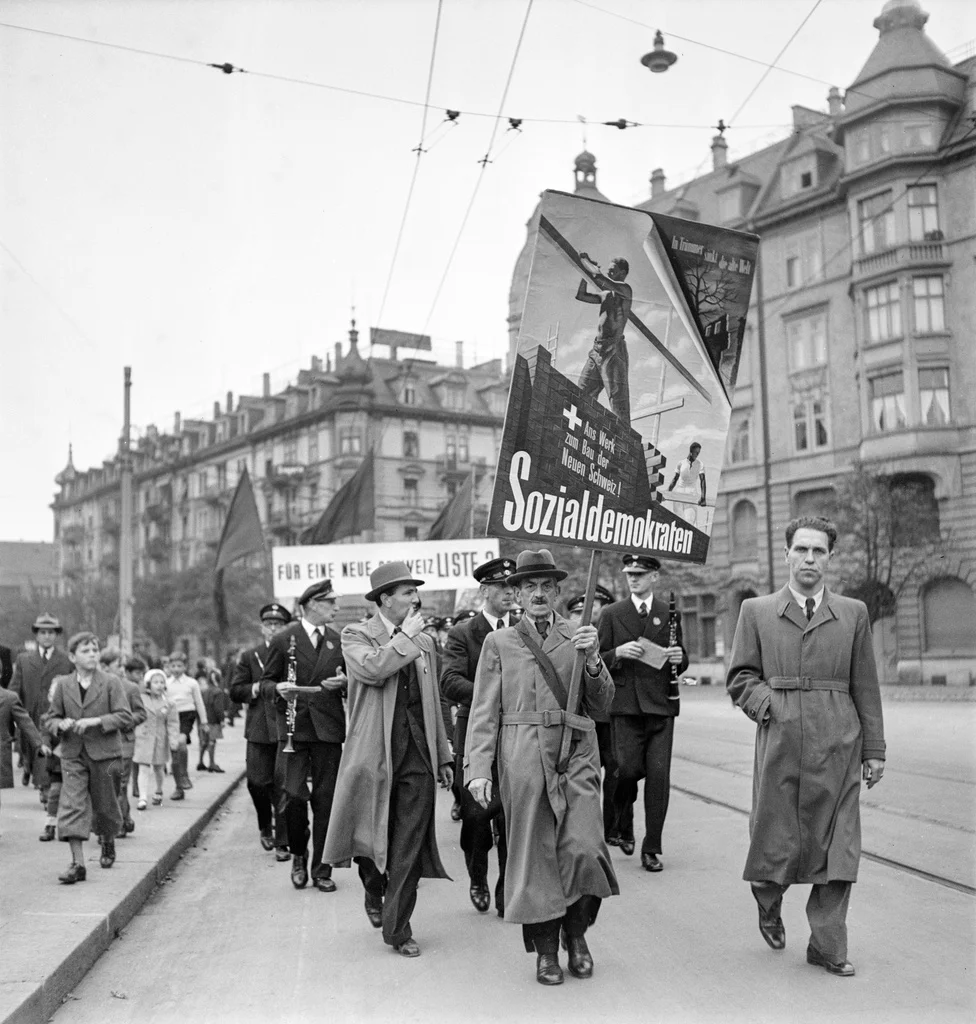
(156, 737)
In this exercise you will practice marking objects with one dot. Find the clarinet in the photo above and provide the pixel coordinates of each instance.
(291, 704)
(674, 693)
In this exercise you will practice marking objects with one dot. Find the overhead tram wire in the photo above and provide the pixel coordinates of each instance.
(416, 169)
(783, 49)
(485, 161)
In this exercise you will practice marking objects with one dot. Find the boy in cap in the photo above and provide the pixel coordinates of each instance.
(396, 752)
(461, 654)
(642, 717)
(558, 868)
(317, 732)
(261, 732)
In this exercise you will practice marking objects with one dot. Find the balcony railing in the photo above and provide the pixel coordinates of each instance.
(158, 512)
(73, 534)
(905, 255)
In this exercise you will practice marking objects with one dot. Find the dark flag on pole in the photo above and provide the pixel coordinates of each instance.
(454, 520)
(242, 536)
(351, 510)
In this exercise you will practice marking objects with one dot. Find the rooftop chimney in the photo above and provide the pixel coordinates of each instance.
(338, 353)
(834, 103)
(266, 385)
(230, 402)
(657, 182)
(459, 354)
(216, 410)
(177, 424)
(720, 150)
(316, 364)
(328, 363)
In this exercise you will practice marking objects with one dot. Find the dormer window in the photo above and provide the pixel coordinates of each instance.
(408, 396)
(799, 175)
(730, 205)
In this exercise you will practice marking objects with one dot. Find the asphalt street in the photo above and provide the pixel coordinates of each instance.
(229, 939)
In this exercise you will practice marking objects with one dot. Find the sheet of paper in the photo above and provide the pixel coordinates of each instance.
(653, 654)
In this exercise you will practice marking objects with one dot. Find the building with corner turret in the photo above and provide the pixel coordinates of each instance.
(860, 343)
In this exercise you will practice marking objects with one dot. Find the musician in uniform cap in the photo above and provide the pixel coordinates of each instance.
(641, 717)
(317, 732)
(559, 867)
(461, 654)
(33, 673)
(261, 731)
(396, 753)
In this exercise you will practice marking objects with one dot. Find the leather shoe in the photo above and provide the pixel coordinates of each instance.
(324, 884)
(216, 768)
(267, 839)
(580, 961)
(177, 794)
(407, 948)
(282, 853)
(613, 839)
(842, 968)
(75, 873)
(129, 826)
(626, 846)
(456, 811)
(547, 969)
(107, 858)
(374, 910)
(772, 929)
(299, 871)
(480, 897)
(650, 862)
(48, 835)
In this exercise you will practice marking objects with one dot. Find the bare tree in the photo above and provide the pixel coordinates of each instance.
(890, 535)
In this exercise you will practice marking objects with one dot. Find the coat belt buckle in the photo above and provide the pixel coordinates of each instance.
(805, 682)
(549, 718)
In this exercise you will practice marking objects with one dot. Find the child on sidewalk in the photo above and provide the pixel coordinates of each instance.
(155, 737)
(215, 702)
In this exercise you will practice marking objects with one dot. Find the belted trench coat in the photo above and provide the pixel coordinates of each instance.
(812, 689)
(554, 822)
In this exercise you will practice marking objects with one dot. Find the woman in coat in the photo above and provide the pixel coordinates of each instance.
(156, 737)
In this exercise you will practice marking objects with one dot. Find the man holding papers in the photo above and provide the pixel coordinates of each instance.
(635, 646)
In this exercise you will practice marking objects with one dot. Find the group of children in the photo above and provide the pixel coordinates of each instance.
(105, 719)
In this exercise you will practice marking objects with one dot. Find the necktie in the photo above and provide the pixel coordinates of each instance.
(643, 610)
(397, 629)
(500, 624)
(543, 628)
(316, 638)
(810, 606)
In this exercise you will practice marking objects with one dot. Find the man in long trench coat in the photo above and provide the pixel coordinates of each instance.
(559, 866)
(396, 749)
(802, 668)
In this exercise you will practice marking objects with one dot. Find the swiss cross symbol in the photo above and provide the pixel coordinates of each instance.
(569, 415)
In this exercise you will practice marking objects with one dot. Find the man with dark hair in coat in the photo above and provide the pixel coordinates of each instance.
(397, 748)
(34, 671)
(261, 731)
(460, 662)
(802, 668)
(558, 869)
(316, 732)
(642, 716)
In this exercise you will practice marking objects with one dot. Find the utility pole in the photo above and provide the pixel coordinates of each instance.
(125, 527)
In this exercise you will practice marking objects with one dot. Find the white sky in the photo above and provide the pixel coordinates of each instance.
(205, 228)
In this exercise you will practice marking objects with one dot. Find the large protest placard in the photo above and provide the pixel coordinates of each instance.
(441, 564)
(621, 391)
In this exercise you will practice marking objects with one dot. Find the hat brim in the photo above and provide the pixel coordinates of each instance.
(374, 594)
(53, 629)
(538, 570)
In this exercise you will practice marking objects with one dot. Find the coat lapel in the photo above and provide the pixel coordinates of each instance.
(789, 609)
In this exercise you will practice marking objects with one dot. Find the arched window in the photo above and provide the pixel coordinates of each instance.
(915, 508)
(745, 542)
(819, 502)
(949, 611)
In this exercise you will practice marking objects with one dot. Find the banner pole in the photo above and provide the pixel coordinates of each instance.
(578, 663)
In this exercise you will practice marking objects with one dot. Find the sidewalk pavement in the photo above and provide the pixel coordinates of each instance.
(51, 934)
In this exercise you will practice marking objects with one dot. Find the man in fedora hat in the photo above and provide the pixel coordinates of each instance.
(558, 867)
(461, 654)
(396, 752)
(642, 717)
(261, 731)
(33, 673)
(317, 732)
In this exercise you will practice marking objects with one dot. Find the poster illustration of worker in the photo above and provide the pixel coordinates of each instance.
(621, 391)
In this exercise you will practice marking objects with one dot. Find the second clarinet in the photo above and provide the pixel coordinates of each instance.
(291, 702)
(674, 691)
